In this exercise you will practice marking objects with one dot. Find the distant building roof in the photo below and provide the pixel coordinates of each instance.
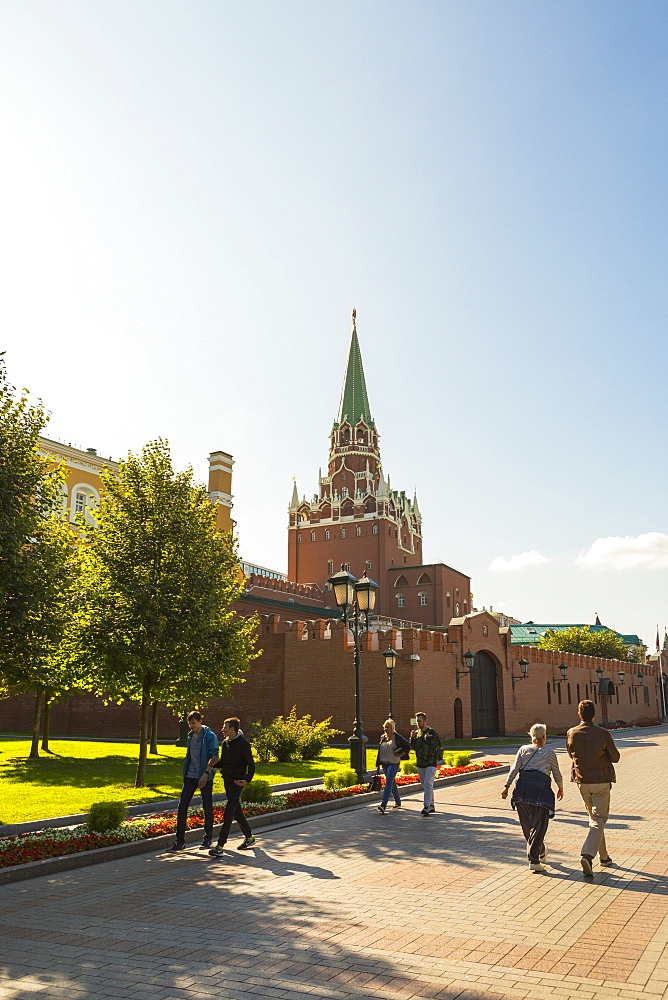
(530, 634)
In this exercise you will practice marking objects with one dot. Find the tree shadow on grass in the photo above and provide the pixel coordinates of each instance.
(77, 772)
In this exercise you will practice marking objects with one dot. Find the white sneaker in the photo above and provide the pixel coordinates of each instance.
(541, 857)
(537, 868)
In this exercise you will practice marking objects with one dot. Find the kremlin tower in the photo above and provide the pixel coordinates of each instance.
(356, 518)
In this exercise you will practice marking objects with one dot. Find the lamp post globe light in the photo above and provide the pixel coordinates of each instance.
(390, 662)
(355, 598)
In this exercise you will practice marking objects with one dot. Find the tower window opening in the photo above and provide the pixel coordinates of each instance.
(401, 601)
(343, 532)
(423, 600)
(327, 536)
(330, 566)
(344, 492)
(374, 530)
(359, 531)
(299, 538)
(313, 536)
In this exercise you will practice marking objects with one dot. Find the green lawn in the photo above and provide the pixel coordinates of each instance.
(76, 774)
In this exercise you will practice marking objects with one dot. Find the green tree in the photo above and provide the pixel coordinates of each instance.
(581, 639)
(157, 588)
(29, 493)
(37, 558)
(39, 657)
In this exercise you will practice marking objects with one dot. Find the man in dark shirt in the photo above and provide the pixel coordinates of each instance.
(593, 753)
(237, 768)
(427, 745)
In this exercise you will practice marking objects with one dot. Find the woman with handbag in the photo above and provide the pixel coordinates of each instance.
(392, 749)
(533, 797)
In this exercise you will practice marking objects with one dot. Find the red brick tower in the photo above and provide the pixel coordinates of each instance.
(355, 518)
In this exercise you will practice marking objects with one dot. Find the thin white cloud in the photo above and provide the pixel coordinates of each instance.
(519, 561)
(648, 551)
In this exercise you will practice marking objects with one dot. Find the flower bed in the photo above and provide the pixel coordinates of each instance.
(53, 843)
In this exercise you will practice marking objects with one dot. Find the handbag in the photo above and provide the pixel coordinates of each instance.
(375, 784)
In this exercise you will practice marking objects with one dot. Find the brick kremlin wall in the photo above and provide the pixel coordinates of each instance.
(310, 664)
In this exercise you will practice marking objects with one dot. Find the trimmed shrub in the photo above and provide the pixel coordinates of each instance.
(105, 816)
(288, 738)
(457, 758)
(258, 791)
(408, 767)
(343, 778)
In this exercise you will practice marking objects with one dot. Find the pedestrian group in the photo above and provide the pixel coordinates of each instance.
(591, 749)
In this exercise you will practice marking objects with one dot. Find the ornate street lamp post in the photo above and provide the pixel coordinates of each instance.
(390, 662)
(355, 598)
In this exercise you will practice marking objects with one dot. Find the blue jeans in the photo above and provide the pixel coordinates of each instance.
(391, 771)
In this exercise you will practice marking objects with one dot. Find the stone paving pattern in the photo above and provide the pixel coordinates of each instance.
(359, 905)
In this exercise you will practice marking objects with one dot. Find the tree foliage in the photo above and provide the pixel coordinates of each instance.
(289, 738)
(157, 588)
(581, 639)
(41, 657)
(38, 562)
(29, 493)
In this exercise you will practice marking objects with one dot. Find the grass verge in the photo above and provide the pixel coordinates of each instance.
(75, 774)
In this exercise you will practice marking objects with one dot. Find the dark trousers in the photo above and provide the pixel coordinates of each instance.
(187, 792)
(534, 820)
(233, 811)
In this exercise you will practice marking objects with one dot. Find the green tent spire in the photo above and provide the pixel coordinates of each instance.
(354, 404)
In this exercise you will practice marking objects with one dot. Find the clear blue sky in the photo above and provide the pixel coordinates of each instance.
(195, 195)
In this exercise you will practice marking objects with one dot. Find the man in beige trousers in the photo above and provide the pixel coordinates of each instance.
(593, 752)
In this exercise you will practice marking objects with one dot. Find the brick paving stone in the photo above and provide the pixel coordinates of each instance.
(355, 906)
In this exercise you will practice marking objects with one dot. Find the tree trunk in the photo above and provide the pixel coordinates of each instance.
(154, 728)
(45, 727)
(37, 718)
(140, 779)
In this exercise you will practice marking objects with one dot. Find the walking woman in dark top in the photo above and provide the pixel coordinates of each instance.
(392, 749)
(533, 796)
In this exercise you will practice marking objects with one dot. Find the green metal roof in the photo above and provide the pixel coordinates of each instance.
(530, 634)
(354, 404)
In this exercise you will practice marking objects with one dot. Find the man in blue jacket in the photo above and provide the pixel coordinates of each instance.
(202, 746)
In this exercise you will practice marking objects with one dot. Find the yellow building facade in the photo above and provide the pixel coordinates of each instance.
(82, 489)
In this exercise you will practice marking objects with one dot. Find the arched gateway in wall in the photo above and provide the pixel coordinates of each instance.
(484, 702)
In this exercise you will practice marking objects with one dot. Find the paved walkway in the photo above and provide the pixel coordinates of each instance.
(359, 905)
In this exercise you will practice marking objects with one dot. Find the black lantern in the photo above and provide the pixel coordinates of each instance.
(524, 670)
(469, 660)
(391, 656)
(355, 598)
